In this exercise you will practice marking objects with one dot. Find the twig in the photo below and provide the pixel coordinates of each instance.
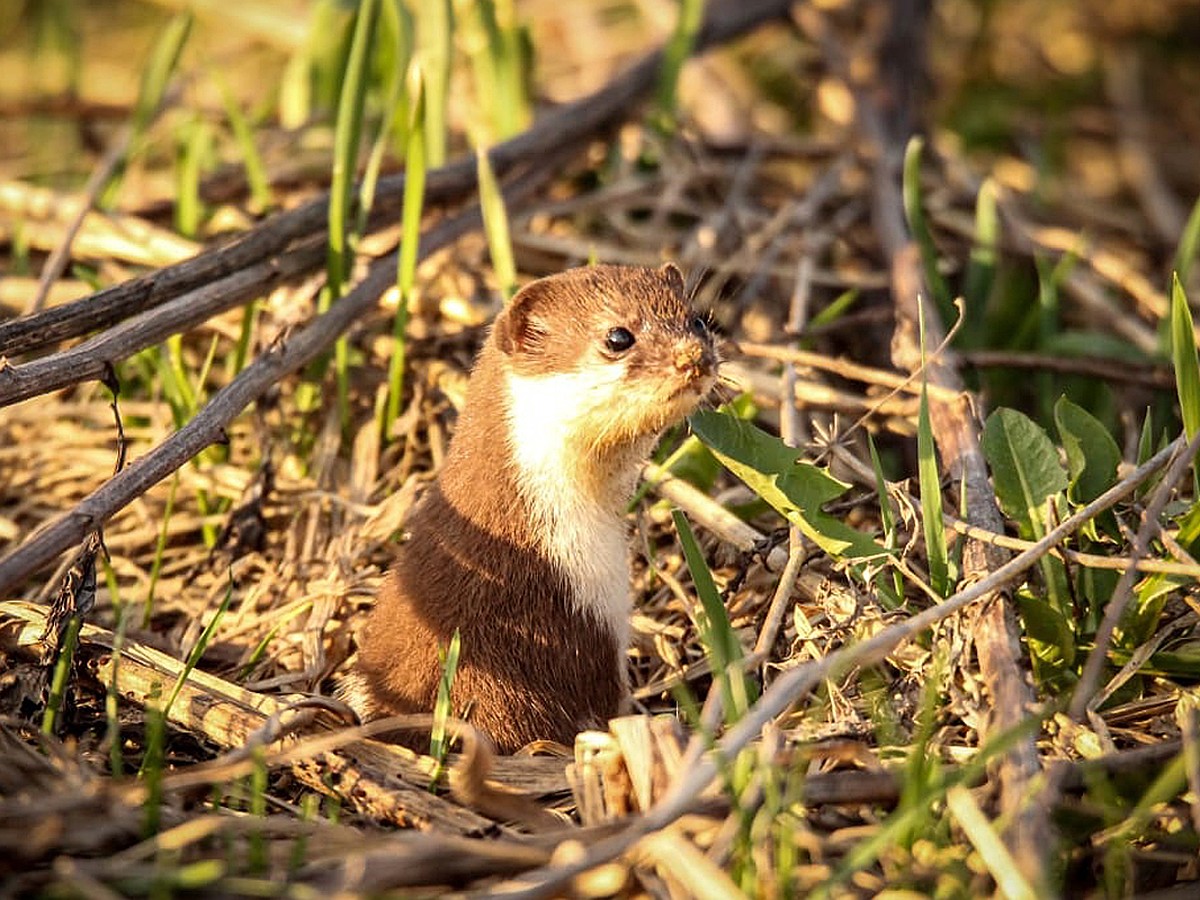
(1088, 560)
(779, 600)
(1119, 371)
(847, 369)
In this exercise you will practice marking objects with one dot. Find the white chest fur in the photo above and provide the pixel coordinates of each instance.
(577, 515)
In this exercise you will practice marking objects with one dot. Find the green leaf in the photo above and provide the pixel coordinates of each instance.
(774, 471)
(1025, 467)
(1092, 454)
(1090, 344)
(1050, 634)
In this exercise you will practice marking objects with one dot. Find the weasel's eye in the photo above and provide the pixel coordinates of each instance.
(699, 326)
(618, 340)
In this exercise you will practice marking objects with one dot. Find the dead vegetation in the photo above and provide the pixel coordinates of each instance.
(271, 500)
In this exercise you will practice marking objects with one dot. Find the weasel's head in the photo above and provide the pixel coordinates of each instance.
(603, 358)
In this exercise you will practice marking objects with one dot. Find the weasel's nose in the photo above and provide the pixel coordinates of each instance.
(694, 359)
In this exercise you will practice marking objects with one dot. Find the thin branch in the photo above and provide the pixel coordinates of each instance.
(1123, 592)
(1118, 371)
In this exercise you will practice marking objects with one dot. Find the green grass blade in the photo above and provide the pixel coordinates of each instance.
(160, 547)
(177, 388)
(512, 112)
(496, 46)
(914, 210)
(675, 54)
(195, 147)
(495, 225)
(346, 136)
(929, 479)
(933, 520)
(1189, 244)
(1146, 438)
(241, 351)
(891, 594)
(252, 162)
(438, 745)
(112, 729)
(393, 53)
(62, 671)
(256, 850)
(981, 268)
(838, 307)
(153, 758)
(197, 651)
(410, 222)
(156, 75)
(435, 29)
(159, 68)
(721, 644)
(1183, 355)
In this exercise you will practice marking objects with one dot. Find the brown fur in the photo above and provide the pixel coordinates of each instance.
(531, 666)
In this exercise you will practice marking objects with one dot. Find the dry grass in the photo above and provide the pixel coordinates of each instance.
(775, 228)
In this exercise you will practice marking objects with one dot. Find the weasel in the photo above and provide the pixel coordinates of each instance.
(521, 545)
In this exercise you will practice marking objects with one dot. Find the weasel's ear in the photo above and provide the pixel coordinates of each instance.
(674, 277)
(520, 327)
